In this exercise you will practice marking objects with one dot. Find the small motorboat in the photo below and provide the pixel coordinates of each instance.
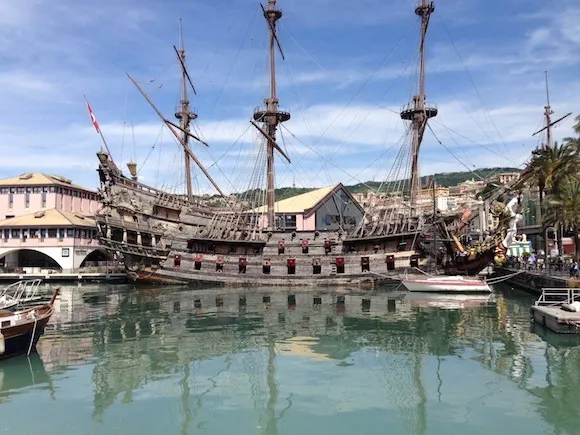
(21, 330)
(447, 284)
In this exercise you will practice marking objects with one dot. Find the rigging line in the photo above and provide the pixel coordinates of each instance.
(472, 141)
(158, 166)
(456, 143)
(125, 118)
(367, 115)
(230, 148)
(234, 62)
(467, 153)
(509, 157)
(134, 145)
(324, 158)
(453, 154)
(159, 135)
(383, 154)
(473, 84)
(365, 83)
(303, 49)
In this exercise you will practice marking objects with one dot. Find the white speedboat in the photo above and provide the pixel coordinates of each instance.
(446, 284)
(449, 301)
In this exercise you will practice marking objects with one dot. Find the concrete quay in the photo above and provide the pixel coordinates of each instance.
(533, 281)
(64, 277)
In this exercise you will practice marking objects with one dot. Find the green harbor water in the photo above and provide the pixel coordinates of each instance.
(120, 360)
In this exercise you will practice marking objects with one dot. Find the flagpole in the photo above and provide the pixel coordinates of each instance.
(96, 125)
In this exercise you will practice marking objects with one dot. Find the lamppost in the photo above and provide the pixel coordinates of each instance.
(546, 255)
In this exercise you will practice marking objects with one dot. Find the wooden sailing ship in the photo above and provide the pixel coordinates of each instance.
(172, 239)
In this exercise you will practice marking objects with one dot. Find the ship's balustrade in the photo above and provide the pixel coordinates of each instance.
(129, 225)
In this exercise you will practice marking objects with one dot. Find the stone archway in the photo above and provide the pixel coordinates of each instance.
(96, 258)
(28, 258)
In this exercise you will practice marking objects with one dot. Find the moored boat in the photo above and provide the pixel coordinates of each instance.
(446, 284)
(21, 330)
(20, 293)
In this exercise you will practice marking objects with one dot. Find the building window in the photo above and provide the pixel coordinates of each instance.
(4, 190)
(61, 232)
(27, 200)
(20, 190)
(15, 234)
(33, 233)
(42, 234)
(52, 189)
(45, 189)
(290, 221)
(6, 234)
(52, 233)
(43, 199)
(37, 189)
(70, 233)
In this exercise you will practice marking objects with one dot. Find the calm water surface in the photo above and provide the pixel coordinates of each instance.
(119, 360)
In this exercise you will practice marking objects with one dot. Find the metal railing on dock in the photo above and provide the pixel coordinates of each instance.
(558, 296)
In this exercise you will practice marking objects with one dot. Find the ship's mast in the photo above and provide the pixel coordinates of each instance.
(185, 116)
(419, 113)
(547, 113)
(271, 116)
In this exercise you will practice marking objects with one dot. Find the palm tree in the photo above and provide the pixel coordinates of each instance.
(549, 166)
(565, 207)
(574, 142)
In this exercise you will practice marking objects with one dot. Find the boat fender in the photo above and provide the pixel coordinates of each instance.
(2, 344)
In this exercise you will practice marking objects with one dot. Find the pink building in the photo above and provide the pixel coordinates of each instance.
(326, 209)
(46, 224)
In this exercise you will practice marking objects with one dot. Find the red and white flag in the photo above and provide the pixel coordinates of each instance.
(92, 115)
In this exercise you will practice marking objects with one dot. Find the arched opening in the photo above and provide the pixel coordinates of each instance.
(97, 258)
(20, 260)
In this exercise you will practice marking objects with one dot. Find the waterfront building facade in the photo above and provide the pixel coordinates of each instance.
(46, 225)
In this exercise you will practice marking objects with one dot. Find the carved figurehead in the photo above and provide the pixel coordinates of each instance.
(509, 218)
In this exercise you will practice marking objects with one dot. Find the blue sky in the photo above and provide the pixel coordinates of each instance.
(348, 69)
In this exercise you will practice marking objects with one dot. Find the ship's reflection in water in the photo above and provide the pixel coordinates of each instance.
(149, 361)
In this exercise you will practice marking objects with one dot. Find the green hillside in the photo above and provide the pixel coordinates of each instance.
(446, 179)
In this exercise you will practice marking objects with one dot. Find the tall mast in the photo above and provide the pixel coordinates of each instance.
(418, 113)
(547, 113)
(270, 115)
(185, 116)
